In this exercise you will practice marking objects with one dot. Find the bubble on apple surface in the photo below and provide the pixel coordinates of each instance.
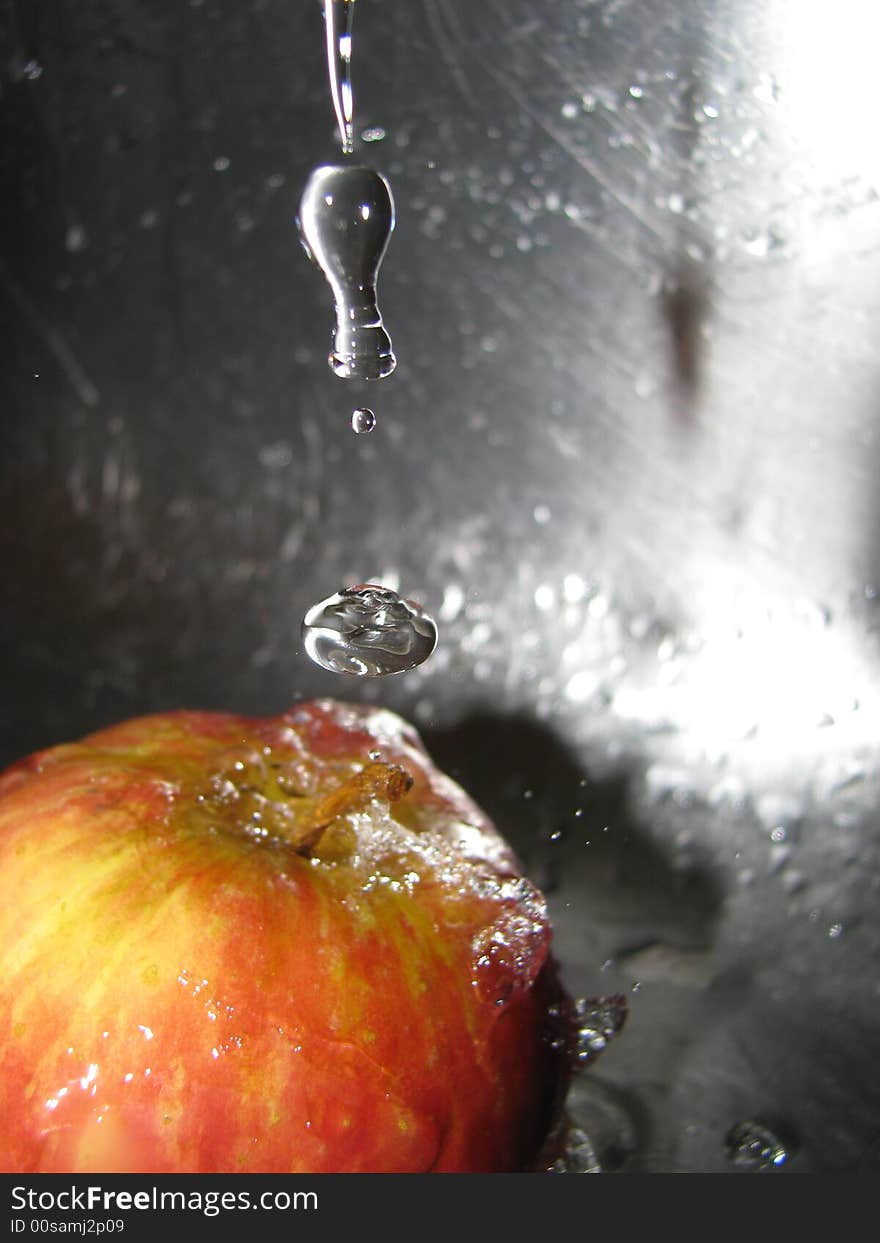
(368, 631)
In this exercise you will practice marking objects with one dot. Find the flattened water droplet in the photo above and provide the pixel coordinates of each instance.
(599, 1020)
(368, 631)
(753, 1146)
(363, 420)
(346, 216)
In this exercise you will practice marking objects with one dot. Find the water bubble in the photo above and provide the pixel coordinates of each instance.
(599, 1020)
(368, 631)
(346, 216)
(363, 420)
(753, 1146)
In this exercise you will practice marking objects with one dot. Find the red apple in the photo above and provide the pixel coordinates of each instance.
(286, 944)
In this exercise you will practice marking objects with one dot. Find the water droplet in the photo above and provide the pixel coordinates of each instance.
(363, 420)
(578, 1155)
(368, 631)
(599, 1020)
(753, 1146)
(338, 17)
(346, 216)
(373, 133)
(75, 239)
(453, 601)
(221, 163)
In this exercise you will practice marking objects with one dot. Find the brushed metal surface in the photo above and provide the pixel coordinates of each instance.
(628, 460)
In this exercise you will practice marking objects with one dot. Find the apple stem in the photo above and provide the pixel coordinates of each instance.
(376, 780)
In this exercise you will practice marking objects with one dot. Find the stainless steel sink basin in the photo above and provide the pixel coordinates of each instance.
(628, 460)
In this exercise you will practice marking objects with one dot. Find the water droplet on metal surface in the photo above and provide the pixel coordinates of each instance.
(345, 219)
(368, 631)
(753, 1146)
(76, 238)
(578, 1155)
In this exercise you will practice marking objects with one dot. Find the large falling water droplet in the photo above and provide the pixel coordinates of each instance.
(338, 16)
(368, 631)
(346, 215)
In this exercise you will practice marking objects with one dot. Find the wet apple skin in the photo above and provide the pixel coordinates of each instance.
(181, 990)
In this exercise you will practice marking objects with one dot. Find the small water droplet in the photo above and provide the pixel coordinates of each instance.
(599, 1020)
(75, 239)
(368, 631)
(363, 420)
(578, 1155)
(753, 1146)
(373, 133)
(346, 216)
(221, 163)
